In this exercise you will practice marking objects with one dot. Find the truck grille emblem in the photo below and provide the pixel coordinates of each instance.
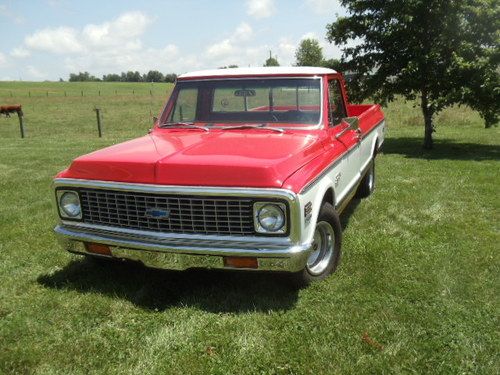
(157, 213)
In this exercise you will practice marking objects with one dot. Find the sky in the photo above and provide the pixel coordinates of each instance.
(49, 39)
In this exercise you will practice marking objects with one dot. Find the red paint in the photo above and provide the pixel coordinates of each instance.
(243, 158)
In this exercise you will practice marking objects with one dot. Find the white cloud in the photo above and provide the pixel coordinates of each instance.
(243, 32)
(109, 47)
(34, 73)
(286, 51)
(310, 35)
(3, 59)
(20, 53)
(220, 49)
(260, 8)
(169, 51)
(324, 6)
(122, 30)
(231, 45)
(59, 40)
(119, 35)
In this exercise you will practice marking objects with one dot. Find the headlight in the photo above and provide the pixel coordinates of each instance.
(270, 217)
(69, 204)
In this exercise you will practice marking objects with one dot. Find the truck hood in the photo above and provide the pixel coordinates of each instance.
(248, 158)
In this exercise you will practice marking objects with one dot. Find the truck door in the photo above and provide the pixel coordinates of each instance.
(350, 163)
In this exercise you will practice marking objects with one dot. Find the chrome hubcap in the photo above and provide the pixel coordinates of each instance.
(322, 248)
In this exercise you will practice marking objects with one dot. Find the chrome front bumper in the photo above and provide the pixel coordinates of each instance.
(183, 252)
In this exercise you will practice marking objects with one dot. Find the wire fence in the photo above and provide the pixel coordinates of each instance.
(82, 93)
(48, 111)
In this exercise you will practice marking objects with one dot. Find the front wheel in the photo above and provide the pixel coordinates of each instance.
(326, 244)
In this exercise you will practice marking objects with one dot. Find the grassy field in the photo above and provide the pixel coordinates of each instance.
(417, 290)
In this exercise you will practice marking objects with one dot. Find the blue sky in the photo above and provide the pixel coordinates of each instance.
(48, 39)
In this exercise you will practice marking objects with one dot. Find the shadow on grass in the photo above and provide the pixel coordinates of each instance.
(345, 216)
(443, 149)
(158, 290)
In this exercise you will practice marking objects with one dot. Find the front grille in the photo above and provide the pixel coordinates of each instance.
(186, 214)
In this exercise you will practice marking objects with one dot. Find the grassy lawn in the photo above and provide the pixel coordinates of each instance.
(416, 291)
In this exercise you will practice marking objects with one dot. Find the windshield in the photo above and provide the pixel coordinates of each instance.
(263, 100)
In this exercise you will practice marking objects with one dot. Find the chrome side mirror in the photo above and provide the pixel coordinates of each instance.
(353, 124)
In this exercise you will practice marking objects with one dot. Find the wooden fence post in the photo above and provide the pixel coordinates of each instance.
(21, 122)
(99, 126)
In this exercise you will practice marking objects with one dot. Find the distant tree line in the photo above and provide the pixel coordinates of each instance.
(130, 76)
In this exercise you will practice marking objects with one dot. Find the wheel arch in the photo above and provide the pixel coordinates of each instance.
(322, 192)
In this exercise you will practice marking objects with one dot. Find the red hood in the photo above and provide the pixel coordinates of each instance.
(248, 158)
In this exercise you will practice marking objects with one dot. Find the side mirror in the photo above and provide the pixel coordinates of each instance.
(353, 124)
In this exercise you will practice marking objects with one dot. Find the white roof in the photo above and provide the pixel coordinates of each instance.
(283, 70)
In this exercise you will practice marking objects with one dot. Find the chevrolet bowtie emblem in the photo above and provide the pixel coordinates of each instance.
(157, 213)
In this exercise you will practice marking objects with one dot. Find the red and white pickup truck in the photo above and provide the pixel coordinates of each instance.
(244, 169)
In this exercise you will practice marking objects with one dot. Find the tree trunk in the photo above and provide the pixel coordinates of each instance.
(429, 126)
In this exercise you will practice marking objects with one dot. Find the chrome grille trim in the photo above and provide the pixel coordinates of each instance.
(291, 198)
(189, 215)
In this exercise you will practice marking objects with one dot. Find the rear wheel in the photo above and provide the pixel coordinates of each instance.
(326, 244)
(367, 184)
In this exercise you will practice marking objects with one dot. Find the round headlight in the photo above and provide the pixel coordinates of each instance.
(70, 204)
(271, 217)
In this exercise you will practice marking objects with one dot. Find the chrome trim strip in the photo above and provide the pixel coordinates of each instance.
(65, 234)
(177, 190)
(179, 238)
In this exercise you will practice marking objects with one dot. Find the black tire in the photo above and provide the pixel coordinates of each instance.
(321, 267)
(367, 184)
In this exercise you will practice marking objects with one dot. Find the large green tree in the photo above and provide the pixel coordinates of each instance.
(443, 52)
(309, 53)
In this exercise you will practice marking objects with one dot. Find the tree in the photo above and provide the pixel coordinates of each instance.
(228, 67)
(271, 61)
(133, 76)
(153, 76)
(442, 51)
(171, 77)
(111, 78)
(82, 77)
(309, 53)
(334, 64)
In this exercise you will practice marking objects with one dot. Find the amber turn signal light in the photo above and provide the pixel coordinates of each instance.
(241, 262)
(97, 248)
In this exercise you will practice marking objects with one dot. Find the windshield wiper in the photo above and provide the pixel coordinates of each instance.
(259, 126)
(190, 125)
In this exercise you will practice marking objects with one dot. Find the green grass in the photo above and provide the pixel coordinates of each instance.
(416, 291)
